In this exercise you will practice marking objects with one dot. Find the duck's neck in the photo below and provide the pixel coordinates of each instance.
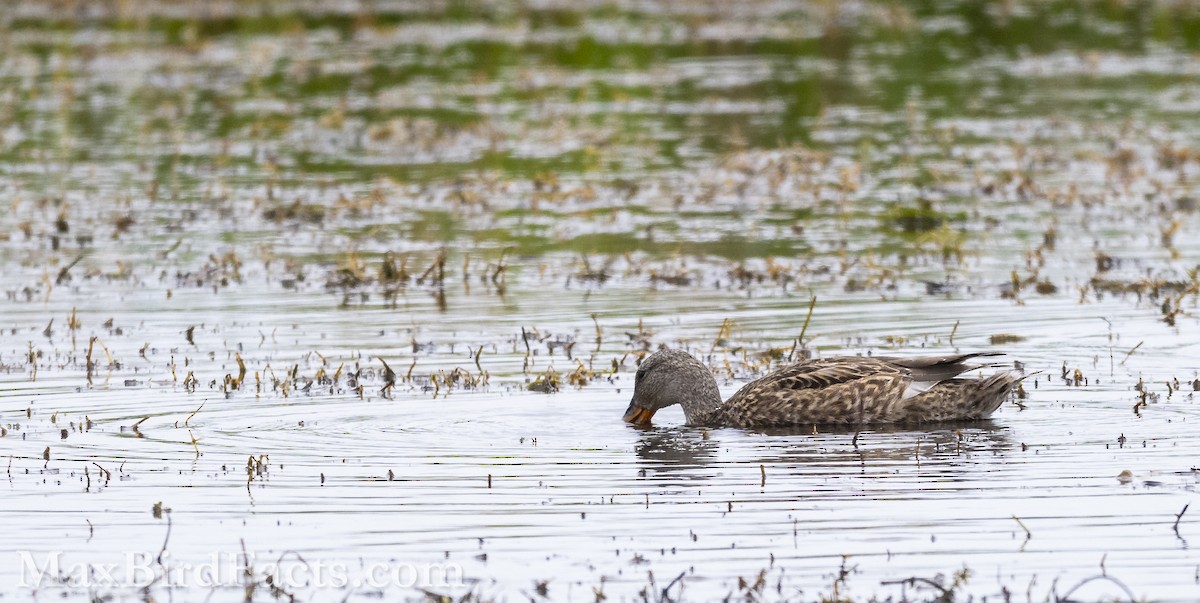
(703, 406)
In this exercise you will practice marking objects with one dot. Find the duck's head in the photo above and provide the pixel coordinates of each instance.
(669, 377)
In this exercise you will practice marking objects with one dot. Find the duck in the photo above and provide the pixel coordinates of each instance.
(841, 390)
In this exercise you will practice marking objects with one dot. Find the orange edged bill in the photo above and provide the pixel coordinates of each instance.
(638, 415)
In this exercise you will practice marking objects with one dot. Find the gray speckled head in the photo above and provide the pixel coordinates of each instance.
(671, 377)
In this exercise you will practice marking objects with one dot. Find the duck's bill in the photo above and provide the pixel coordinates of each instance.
(638, 415)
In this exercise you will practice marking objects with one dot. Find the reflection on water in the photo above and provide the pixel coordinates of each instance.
(675, 452)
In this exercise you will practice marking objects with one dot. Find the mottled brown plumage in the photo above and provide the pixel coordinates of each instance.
(847, 390)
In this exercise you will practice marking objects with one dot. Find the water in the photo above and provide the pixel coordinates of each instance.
(278, 188)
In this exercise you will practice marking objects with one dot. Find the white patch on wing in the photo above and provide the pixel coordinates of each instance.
(916, 388)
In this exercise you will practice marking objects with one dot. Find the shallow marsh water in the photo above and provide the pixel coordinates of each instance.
(212, 186)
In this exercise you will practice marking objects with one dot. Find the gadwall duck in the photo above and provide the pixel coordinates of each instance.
(845, 390)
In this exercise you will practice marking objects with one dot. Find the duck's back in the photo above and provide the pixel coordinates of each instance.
(865, 390)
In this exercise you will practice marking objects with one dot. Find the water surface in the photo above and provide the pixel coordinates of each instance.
(475, 198)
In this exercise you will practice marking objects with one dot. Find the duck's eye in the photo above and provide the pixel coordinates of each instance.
(641, 372)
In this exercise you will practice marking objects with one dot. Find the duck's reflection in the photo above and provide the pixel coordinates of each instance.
(672, 451)
(952, 450)
(890, 443)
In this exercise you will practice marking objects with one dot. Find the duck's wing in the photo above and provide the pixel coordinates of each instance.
(828, 372)
(928, 371)
(843, 390)
(940, 368)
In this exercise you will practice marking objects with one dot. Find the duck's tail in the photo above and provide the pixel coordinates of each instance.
(962, 399)
(991, 392)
